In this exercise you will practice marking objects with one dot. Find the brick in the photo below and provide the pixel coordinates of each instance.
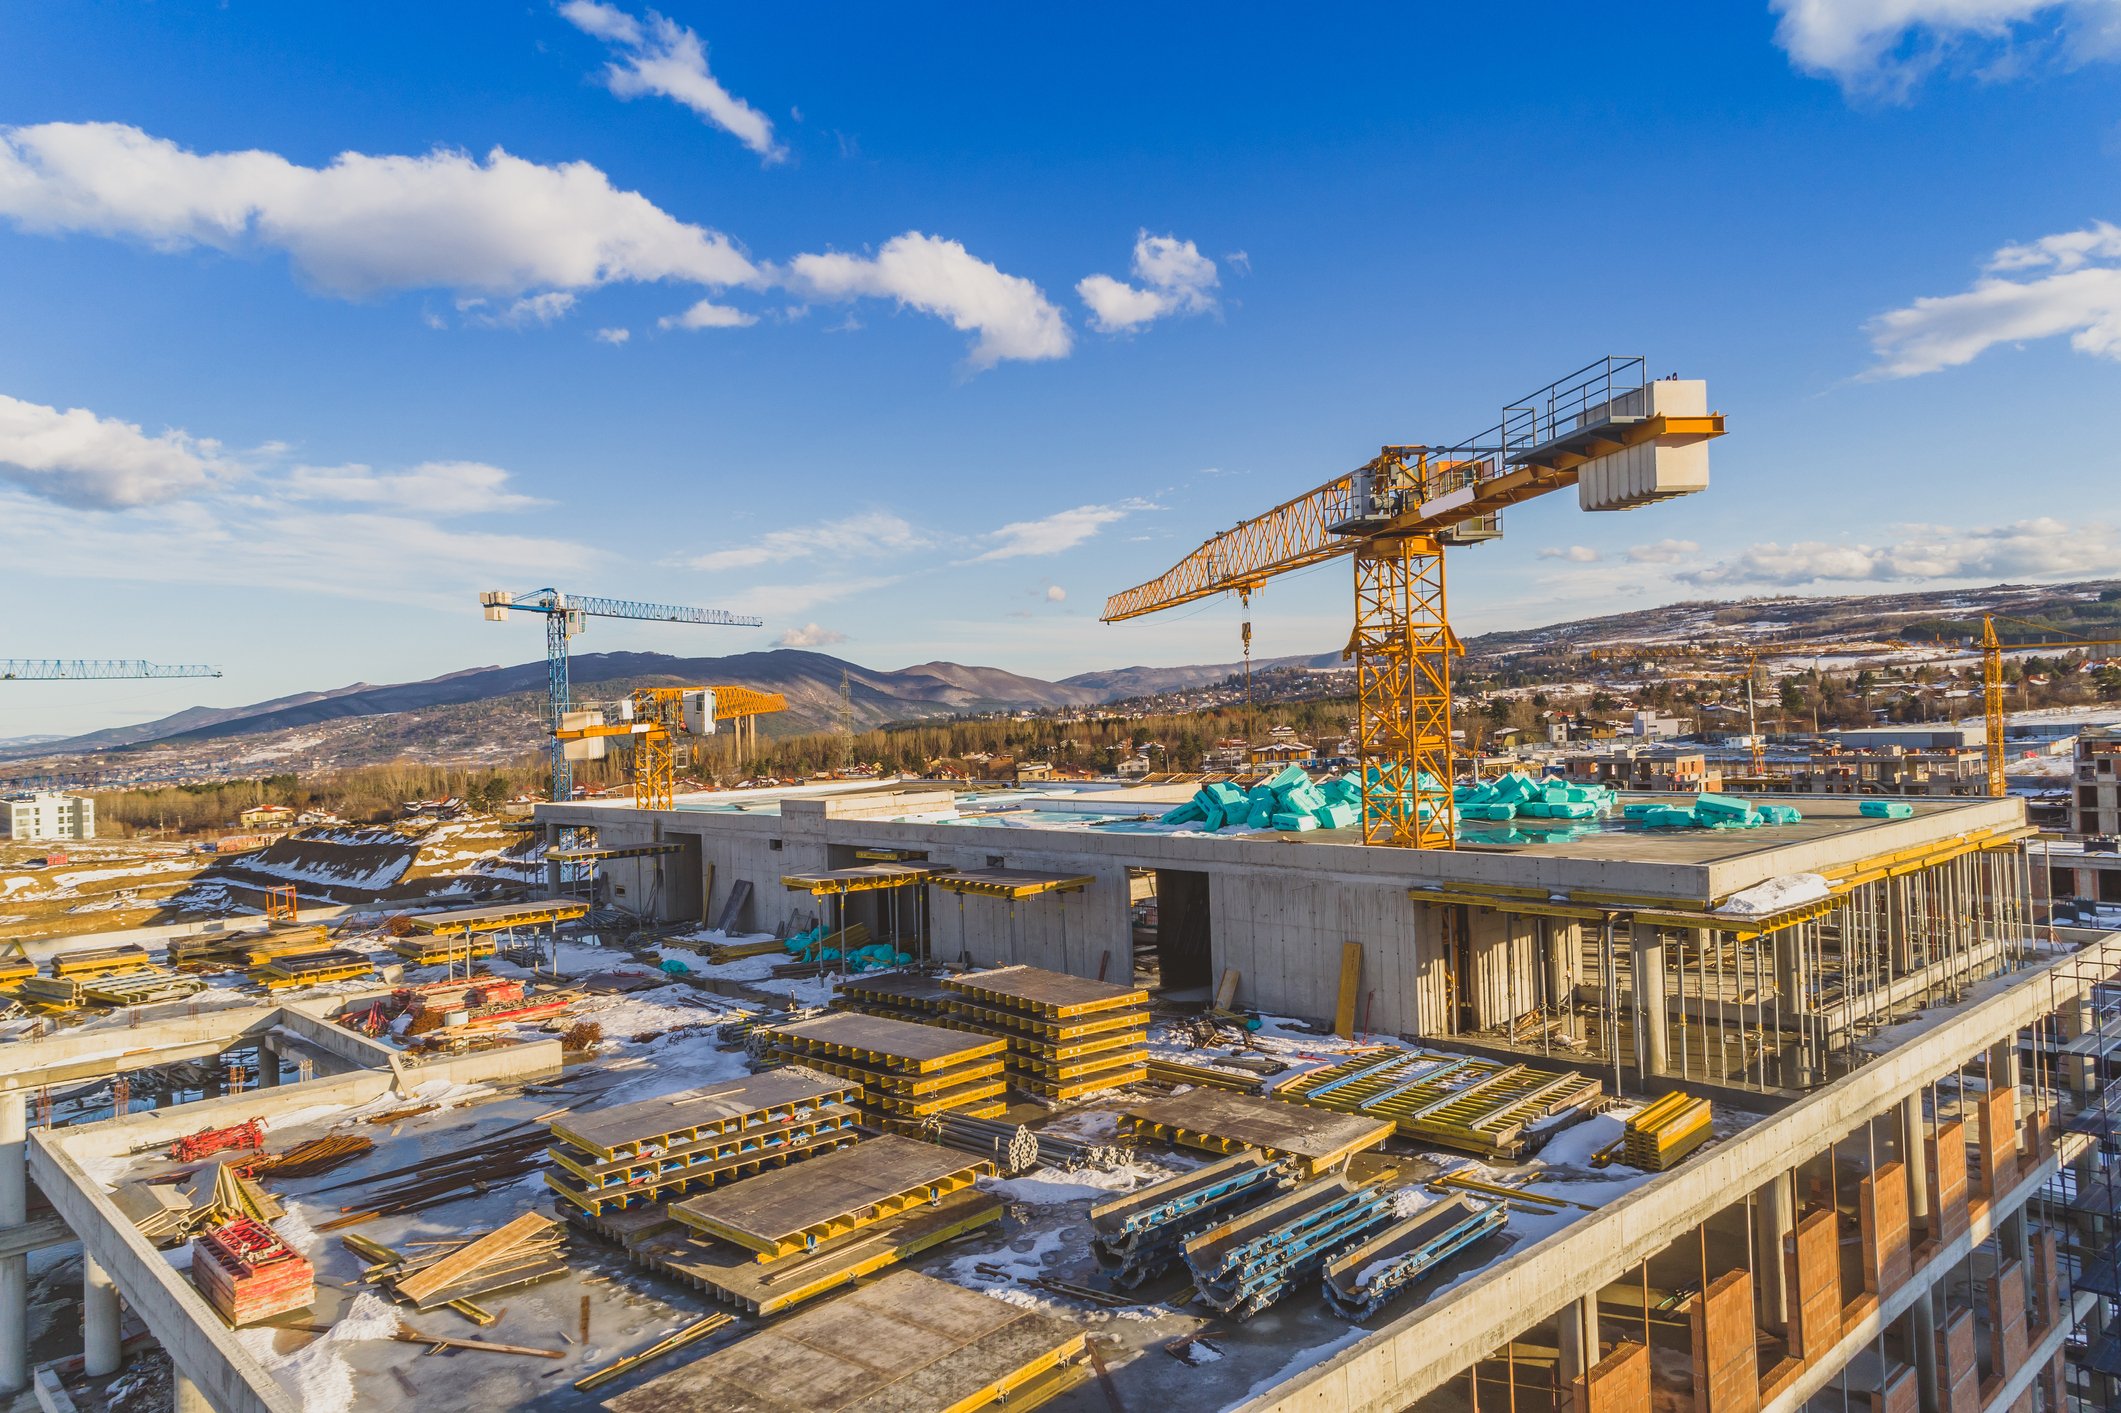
(1881, 1211)
(1998, 1116)
(1815, 1285)
(1958, 1374)
(1947, 1155)
(1618, 1383)
(2006, 1318)
(2046, 1293)
(1901, 1394)
(1726, 1347)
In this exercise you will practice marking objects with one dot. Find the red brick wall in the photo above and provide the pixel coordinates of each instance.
(1999, 1142)
(2006, 1318)
(1618, 1383)
(1815, 1286)
(1882, 1214)
(1958, 1376)
(1947, 1155)
(1900, 1395)
(1726, 1358)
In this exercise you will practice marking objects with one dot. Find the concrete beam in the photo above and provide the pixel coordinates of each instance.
(1424, 1349)
(14, 1269)
(34, 1235)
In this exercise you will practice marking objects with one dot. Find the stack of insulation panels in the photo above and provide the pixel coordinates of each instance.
(905, 1070)
(1068, 1036)
(1456, 1101)
(248, 1274)
(612, 1159)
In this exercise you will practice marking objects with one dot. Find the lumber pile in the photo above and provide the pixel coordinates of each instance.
(247, 1273)
(464, 994)
(512, 1153)
(311, 1158)
(524, 1252)
(613, 1159)
(312, 969)
(1665, 1132)
(1454, 1101)
(426, 951)
(283, 942)
(905, 1070)
(1067, 1035)
(15, 964)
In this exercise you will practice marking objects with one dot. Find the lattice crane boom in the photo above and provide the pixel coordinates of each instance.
(78, 669)
(1992, 650)
(565, 616)
(1619, 438)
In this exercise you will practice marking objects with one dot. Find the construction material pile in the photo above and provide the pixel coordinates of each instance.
(312, 969)
(1712, 812)
(1015, 1148)
(1067, 1035)
(1456, 1101)
(457, 1273)
(247, 1273)
(1136, 1236)
(613, 1159)
(1665, 1132)
(1363, 1281)
(1254, 1259)
(1517, 795)
(1288, 801)
(901, 995)
(905, 1070)
(818, 945)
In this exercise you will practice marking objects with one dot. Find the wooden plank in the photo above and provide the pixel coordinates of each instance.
(461, 1263)
(1226, 989)
(1350, 988)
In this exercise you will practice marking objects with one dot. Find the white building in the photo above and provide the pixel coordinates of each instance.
(50, 816)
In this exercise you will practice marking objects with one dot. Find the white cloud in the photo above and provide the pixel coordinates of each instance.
(1010, 314)
(870, 533)
(709, 315)
(810, 635)
(1056, 594)
(1663, 552)
(614, 337)
(1063, 530)
(363, 225)
(530, 309)
(1885, 47)
(665, 58)
(78, 458)
(2042, 548)
(2079, 294)
(1574, 554)
(1175, 279)
(431, 488)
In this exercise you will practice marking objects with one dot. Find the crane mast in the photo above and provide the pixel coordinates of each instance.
(1619, 438)
(565, 616)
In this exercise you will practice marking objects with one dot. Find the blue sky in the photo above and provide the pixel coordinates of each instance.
(918, 333)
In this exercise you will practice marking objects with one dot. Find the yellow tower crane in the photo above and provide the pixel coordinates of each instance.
(1621, 439)
(653, 718)
(1992, 650)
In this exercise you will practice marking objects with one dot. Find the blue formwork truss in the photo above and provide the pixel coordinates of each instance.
(1138, 1244)
(1287, 1244)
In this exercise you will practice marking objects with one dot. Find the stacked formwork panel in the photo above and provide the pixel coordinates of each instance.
(613, 1159)
(1456, 1101)
(1067, 1035)
(247, 1273)
(905, 1070)
(898, 995)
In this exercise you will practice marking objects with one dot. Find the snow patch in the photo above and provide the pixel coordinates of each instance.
(1777, 894)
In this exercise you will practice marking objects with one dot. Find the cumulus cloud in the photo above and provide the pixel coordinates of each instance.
(1056, 594)
(870, 533)
(1010, 314)
(433, 487)
(614, 336)
(1574, 554)
(1663, 552)
(363, 225)
(664, 58)
(78, 458)
(810, 635)
(1884, 47)
(1063, 530)
(709, 315)
(2069, 284)
(174, 509)
(2042, 548)
(1175, 279)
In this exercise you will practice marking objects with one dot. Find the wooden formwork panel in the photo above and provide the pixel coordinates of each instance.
(1725, 1346)
(1998, 1118)
(735, 1106)
(1881, 1201)
(1947, 1165)
(902, 1084)
(882, 1043)
(2006, 1318)
(1815, 1285)
(1618, 1383)
(995, 1022)
(1222, 1122)
(786, 1211)
(1053, 995)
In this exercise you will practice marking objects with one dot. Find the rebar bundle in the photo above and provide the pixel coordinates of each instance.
(1015, 1148)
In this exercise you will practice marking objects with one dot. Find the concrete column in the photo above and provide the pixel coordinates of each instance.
(99, 1321)
(1915, 1157)
(268, 1064)
(1649, 999)
(1922, 1350)
(14, 1270)
(186, 1398)
(1577, 1325)
(1774, 1219)
(552, 865)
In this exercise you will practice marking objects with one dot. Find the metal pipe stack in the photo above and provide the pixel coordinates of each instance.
(1014, 1147)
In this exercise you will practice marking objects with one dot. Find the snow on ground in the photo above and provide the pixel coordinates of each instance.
(1776, 894)
(317, 1374)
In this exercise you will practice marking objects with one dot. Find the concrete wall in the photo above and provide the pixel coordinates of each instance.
(1284, 935)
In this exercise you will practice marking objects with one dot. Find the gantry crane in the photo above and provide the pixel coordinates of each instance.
(77, 669)
(1992, 650)
(565, 616)
(653, 718)
(1619, 438)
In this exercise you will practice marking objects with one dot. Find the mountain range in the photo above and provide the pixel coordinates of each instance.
(505, 702)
